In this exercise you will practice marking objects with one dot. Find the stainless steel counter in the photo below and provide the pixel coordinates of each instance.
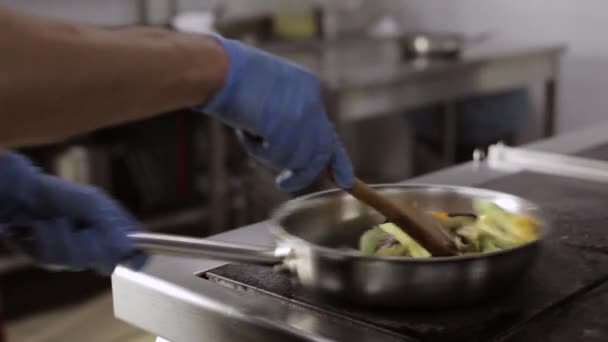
(168, 299)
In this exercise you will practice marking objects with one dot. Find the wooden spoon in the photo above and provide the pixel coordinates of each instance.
(423, 228)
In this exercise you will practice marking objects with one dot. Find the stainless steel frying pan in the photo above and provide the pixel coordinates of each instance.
(316, 237)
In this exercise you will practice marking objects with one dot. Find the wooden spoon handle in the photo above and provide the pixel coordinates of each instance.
(423, 229)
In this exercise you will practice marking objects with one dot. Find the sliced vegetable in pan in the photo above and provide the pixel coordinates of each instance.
(489, 229)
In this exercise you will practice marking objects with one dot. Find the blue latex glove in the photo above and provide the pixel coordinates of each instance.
(279, 107)
(63, 224)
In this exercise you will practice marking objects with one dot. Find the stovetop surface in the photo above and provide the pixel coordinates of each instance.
(599, 152)
(567, 278)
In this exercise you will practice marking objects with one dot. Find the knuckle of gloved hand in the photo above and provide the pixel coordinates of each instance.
(325, 144)
(314, 167)
(77, 197)
(314, 86)
(308, 77)
(95, 193)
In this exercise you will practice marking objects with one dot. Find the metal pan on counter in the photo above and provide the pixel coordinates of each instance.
(440, 45)
(315, 236)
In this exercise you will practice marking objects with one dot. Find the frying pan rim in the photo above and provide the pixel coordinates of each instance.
(286, 208)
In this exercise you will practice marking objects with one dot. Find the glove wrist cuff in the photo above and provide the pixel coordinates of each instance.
(217, 104)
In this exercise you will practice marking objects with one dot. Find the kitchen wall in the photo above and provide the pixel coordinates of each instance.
(122, 12)
(580, 24)
(102, 12)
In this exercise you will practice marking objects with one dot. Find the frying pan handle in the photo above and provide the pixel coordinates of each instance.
(188, 246)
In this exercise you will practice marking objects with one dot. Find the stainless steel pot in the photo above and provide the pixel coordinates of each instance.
(316, 236)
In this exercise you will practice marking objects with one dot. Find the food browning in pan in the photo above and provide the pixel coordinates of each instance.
(489, 228)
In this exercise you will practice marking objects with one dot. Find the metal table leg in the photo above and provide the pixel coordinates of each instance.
(332, 106)
(449, 133)
(346, 134)
(218, 177)
(550, 108)
(143, 7)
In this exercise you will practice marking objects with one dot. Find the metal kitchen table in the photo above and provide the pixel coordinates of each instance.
(385, 84)
(369, 78)
(168, 299)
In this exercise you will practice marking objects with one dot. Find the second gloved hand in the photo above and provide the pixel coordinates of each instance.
(280, 104)
(63, 224)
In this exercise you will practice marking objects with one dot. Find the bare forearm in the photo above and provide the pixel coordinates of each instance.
(60, 79)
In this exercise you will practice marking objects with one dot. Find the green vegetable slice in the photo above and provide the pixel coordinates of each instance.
(370, 241)
(394, 250)
(511, 228)
(414, 249)
(491, 228)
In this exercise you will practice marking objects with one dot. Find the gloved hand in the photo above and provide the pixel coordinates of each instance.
(60, 223)
(279, 109)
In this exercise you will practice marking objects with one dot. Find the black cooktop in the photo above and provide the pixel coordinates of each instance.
(599, 152)
(561, 297)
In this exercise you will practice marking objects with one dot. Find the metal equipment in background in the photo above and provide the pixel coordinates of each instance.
(511, 159)
(442, 45)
